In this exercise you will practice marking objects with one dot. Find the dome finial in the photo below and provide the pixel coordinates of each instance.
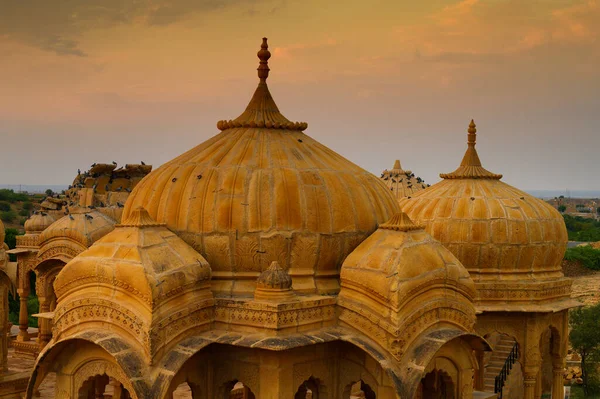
(470, 167)
(262, 112)
(263, 54)
(472, 136)
(397, 164)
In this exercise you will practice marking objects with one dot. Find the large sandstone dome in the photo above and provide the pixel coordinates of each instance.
(506, 238)
(263, 191)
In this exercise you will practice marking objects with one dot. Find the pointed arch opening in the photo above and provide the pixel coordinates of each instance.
(358, 390)
(312, 388)
(237, 390)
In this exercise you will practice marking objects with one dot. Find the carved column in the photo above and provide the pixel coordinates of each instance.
(45, 330)
(23, 315)
(117, 389)
(530, 381)
(558, 387)
(479, 383)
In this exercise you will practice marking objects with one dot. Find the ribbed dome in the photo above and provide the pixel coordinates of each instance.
(263, 191)
(38, 222)
(495, 230)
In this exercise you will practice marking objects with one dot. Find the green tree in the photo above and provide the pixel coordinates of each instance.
(585, 340)
(562, 208)
(49, 193)
(10, 238)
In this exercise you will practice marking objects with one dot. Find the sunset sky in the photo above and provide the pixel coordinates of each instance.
(131, 80)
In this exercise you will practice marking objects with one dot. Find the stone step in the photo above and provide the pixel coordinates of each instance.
(503, 348)
(496, 362)
(488, 388)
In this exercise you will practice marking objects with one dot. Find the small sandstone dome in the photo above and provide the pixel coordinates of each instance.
(38, 222)
(84, 228)
(274, 284)
(274, 278)
(146, 272)
(263, 191)
(397, 259)
(495, 230)
(401, 275)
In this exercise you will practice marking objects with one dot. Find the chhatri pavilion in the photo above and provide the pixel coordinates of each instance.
(262, 264)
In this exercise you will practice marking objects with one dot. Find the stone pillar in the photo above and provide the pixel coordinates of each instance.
(530, 382)
(558, 386)
(45, 329)
(23, 316)
(117, 389)
(480, 371)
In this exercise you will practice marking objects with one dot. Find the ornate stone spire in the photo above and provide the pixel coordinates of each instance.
(262, 112)
(470, 167)
(397, 165)
(400, 222)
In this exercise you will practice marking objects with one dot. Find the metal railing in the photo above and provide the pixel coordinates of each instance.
(513, 356)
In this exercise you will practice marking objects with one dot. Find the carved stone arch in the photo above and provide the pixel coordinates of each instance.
(119, 351)
(46, 271)
(95, 367)
(559, 340)
(62, 249)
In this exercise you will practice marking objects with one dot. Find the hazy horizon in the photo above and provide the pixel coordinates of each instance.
(125, 81)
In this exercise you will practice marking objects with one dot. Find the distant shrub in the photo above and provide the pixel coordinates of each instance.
(11, 196)
(562, 208)
(4, 206)
(581, 229)
(22, 221)
(28, 206)
(8, 216)
(587, 255)
(24, 212)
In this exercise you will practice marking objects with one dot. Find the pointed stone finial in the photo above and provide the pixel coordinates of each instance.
(262, 112)
(139, 217)
(470, 167)
(263, 55)
(400, 222)
(397, 164)
(472, 136)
